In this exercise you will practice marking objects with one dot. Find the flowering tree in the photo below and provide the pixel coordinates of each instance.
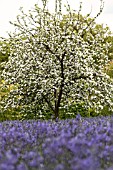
(53, 67)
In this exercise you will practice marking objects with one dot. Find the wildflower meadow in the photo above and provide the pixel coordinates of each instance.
(71, 144)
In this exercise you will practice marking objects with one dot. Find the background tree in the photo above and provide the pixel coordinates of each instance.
(53, 68)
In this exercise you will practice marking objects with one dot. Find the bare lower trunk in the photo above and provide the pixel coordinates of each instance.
(56, 113)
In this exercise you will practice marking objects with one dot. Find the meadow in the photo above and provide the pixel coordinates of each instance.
(70, 144)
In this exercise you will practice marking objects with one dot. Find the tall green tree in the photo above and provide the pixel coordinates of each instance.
(54, 68)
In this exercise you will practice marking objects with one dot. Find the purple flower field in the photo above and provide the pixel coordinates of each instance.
(73, 144)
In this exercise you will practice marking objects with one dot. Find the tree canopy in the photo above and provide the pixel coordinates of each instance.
(53, 67)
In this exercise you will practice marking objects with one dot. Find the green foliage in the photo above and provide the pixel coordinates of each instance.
(106, 111)
(10, 114)
(109, 69)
